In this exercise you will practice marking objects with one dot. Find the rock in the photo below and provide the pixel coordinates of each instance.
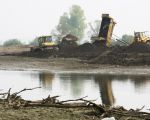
(110, 118)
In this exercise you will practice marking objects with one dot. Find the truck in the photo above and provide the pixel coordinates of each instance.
(105, 31)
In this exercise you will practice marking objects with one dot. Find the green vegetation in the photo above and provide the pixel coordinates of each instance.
(12, 42)
(72, 22)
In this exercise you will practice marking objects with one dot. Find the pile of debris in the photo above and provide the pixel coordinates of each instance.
(16, 102)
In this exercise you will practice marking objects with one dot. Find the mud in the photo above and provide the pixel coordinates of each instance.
(53, 113)
(133, 59)
(67, 65)
(133, 55)
(45, 113)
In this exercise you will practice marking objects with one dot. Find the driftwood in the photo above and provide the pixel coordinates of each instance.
(25, 89)
(56, 105)
(79, 99)
(15, 101)
(120, 112)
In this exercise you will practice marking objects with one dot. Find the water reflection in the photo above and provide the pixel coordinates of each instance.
(138, 81)
(141, 83)
(126, 90)
(46, 80)
(76, 82)
(105, 87)
(79, 85)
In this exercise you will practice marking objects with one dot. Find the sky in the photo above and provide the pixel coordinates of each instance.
(27, 19)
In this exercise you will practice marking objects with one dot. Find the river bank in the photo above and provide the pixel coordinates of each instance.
(67, 65)
(45, 113)
(13, 107)
(52, 64)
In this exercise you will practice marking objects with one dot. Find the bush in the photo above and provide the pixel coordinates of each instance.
(12, 42)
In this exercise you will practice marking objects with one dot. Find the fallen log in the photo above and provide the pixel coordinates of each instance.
(79, 99)
(25, 89)
(55, 105)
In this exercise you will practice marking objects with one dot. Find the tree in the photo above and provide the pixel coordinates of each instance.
(94, 28)
(12, 42)
(124, 41)
(128, 38)
(72, 22)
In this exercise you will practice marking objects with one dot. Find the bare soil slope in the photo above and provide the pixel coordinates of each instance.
(135, 54)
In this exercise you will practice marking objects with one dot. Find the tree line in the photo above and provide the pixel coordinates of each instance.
(73, 22)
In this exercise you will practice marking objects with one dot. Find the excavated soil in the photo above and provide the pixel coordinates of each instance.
(135, 54)
(84, 51)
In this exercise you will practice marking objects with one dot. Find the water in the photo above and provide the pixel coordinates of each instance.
(125, 90)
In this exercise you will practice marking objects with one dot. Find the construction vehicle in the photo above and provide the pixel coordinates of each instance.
(44, 42)
(69, 41)
(140, 37)
(105, 32)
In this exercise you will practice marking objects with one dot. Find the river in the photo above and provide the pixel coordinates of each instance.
(130, 91)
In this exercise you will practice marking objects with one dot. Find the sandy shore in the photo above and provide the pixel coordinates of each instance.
(67, 65)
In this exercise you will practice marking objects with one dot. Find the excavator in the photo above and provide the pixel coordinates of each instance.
(140, 37)
(105, 32)
(44, 42)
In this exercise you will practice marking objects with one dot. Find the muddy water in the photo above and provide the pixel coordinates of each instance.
(126, 90)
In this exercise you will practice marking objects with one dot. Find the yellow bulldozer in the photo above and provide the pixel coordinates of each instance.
(105, 33)
(44, 43)
(140, 37)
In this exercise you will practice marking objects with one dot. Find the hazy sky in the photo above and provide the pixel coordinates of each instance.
(26, 19)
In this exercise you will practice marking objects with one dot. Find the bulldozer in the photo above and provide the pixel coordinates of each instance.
(44, 43)
(140, 37)
(105, 32)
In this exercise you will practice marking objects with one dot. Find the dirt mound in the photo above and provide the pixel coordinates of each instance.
(89, 50)
(84, 51)
(137, 48)
(39, 54)
(135, 54)
(86, 47)
(91, 47)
